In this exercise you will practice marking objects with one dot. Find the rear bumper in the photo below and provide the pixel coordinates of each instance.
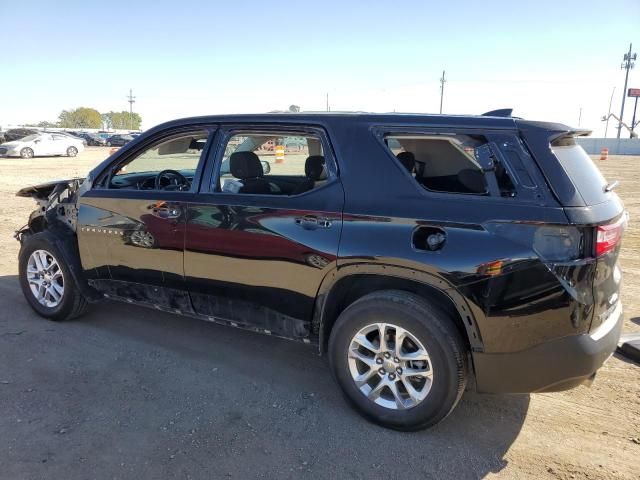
(555, 365)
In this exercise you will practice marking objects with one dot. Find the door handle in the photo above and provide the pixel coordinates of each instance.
(311, 222)
(165, 210)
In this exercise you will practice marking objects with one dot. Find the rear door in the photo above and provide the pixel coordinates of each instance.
(257, 247)
(131, 224)
(44, 145)
(59, 144)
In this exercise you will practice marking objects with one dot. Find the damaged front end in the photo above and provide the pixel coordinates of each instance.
(57, 206)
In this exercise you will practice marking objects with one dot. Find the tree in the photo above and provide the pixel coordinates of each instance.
(46, 124)
(81, 117)
(123, 120)
(42, 124)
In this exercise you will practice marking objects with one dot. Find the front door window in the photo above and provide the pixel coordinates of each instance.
(169, 165)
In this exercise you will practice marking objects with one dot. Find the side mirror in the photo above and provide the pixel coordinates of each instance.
(266, 166)
(36, 141)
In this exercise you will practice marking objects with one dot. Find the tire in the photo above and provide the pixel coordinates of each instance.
(108, 144)
(71, 303)
(26, 152)
(432, 330)
(72, 151)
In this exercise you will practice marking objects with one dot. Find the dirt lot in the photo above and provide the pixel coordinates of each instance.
(127, 392)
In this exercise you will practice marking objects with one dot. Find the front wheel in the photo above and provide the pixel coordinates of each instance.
(72, 151)
(26, 153)
(46, 280)
(399, 359)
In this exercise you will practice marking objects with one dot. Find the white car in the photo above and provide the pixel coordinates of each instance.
(42, 145)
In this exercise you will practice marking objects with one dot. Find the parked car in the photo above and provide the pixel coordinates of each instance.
(93, 139)
(18, 133)
(42, 145)
(118, 140)
(416, 251)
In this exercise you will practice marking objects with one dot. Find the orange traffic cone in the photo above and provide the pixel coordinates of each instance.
(604, 153)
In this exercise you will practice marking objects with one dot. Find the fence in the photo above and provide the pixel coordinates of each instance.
(616, 146)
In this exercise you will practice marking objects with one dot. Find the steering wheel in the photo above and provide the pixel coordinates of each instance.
(180, 180)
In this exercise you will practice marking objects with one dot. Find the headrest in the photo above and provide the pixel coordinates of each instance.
(408, 160)
(314, 168)
(245, 165)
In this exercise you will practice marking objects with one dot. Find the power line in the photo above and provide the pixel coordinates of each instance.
(131, 100)
(442, 80)
(627, 64)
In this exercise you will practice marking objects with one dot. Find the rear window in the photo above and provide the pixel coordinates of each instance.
(582, 171)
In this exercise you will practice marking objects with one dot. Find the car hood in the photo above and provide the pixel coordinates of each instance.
(43, 190)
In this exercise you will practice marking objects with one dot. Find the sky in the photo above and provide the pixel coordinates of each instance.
(544, 59)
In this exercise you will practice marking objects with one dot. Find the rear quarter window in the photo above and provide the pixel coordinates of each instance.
(448, 163)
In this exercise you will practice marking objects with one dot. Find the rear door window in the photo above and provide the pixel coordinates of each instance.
(272, 163)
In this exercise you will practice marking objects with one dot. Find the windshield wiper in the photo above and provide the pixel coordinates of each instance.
(610, 186)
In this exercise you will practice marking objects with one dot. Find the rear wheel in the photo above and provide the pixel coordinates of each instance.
(46, 280)
(72, 151)
(26, 153)
(398, 359)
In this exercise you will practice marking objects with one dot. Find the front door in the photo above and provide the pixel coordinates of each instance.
(131, 224)
(265, 234)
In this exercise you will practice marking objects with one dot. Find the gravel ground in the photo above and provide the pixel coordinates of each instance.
(127, 392)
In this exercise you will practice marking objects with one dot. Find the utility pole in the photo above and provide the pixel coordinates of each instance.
(606, 128)
(442, 80)
(131, 100)
(328, 109)
(627, 64)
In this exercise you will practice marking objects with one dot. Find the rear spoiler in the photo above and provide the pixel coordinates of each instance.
(566, 137)
(579, 133)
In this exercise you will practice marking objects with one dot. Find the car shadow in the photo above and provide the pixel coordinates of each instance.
(180, 396)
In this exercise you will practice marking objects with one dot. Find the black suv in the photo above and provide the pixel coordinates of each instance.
(418, 251)
(118, 140)
(17, 134)
(92, 139)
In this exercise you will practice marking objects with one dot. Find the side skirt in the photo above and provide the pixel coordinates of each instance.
(176, 301)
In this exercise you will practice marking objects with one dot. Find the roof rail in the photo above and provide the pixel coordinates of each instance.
(502, 112)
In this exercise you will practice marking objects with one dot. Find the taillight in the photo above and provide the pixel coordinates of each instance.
(608, 236)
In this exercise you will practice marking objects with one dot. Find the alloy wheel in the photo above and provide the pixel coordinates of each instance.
(142, 238)
(46, 279)
(390, 366)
